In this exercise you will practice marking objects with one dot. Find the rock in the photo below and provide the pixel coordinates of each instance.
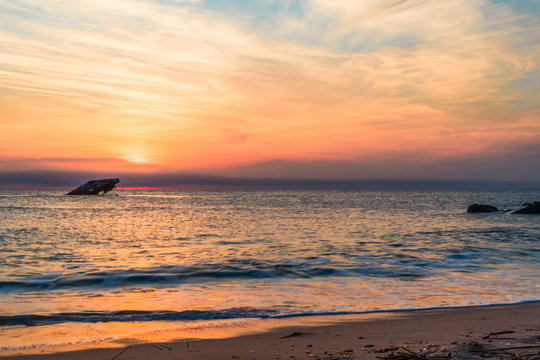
(527, 208)
(94, 187)
(480, 208)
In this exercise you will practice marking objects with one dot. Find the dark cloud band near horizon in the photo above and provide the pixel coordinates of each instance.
(63, 179)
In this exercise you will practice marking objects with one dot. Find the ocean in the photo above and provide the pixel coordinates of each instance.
(177, 258)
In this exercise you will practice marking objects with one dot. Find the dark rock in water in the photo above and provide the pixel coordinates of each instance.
(527, 208)
(94, 187)
(480, 208)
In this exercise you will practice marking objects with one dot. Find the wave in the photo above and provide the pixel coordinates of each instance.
(135, 315)
(192, 315)
(171, 275)
(165, 275)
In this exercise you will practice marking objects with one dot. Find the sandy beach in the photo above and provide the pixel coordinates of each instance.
(506, 331)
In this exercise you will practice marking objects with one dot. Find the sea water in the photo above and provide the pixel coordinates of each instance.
(192, 256)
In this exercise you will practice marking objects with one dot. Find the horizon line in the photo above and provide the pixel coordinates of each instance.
(198, 182)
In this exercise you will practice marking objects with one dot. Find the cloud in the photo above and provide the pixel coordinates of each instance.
(84, 164)
(192, 86)
(521, 164)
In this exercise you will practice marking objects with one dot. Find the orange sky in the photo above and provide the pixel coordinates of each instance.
(353, 89)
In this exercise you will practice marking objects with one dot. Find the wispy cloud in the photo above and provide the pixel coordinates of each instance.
(191, 85)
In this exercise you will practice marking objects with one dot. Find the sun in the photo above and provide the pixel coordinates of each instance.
(135, 155)
(137, 159)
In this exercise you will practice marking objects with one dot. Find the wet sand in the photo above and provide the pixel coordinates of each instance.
(506, 331)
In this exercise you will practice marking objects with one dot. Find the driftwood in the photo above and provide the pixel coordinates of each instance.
(94, 187)
(467, 350)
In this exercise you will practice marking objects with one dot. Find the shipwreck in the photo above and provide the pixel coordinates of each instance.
(95, 187)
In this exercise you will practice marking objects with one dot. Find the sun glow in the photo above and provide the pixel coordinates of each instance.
(136, 156)
(137, 159)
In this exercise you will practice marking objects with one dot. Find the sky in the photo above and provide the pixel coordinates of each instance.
(305, 89)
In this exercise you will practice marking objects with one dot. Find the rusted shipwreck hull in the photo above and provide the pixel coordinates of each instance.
(94, 187)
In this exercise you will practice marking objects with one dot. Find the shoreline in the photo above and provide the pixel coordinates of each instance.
(342, 336)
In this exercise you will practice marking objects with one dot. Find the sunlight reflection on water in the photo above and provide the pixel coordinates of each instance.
(258, 253)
